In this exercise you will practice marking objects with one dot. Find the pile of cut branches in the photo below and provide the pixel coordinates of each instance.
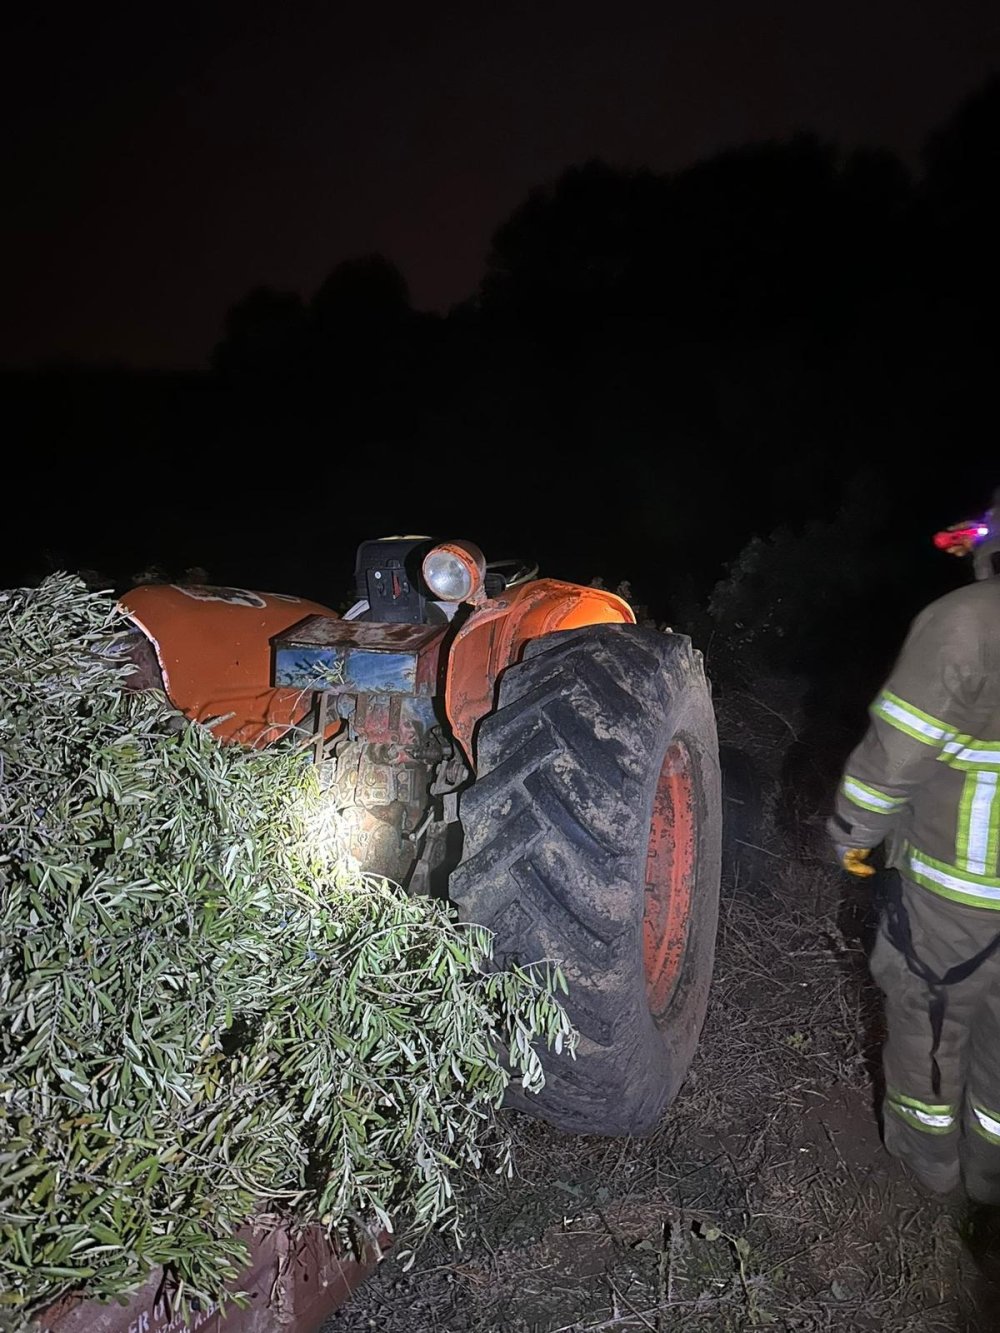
(202, 1017)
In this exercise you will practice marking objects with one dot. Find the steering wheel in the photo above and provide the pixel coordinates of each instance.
(521, 570)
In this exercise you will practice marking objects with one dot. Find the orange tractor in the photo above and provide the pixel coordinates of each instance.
(516, 743)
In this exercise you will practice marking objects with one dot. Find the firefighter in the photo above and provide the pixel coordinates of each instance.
(925, 781)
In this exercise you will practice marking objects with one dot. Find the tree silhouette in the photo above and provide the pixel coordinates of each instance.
(655, 367)
(750, 241)
(962, 161)
(263, 335)
(367, 292)
(962, 158)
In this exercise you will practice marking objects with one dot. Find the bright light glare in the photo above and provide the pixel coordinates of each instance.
(327, 830)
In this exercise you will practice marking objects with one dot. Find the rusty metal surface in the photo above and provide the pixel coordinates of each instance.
(376, 636)
(358, 657)
(293, 1287)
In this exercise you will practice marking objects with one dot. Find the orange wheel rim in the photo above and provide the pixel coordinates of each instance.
(670, 866)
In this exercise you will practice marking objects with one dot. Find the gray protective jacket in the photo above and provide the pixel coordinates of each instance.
(926, 775)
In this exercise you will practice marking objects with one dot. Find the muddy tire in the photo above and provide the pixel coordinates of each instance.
(592, 835)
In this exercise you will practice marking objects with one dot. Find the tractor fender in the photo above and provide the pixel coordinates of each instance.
(495, 635)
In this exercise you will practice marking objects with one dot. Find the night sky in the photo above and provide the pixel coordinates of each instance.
(163, 159)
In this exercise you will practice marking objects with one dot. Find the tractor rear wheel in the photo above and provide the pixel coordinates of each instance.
(592, 836)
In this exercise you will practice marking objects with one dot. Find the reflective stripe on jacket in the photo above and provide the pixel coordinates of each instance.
(927, 771)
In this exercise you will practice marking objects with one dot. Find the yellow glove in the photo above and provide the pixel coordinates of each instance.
(855, 861)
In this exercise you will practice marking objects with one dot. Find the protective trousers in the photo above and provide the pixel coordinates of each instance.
(941, 1057)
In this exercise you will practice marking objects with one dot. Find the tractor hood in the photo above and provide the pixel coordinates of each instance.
(213, 646)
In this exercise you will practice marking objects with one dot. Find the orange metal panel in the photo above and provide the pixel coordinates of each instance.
(214, 650)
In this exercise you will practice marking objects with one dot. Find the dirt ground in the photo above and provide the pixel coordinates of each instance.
(765, 1198)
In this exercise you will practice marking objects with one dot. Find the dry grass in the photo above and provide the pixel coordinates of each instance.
(764, 1200)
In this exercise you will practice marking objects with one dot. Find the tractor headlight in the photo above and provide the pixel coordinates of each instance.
(455, 571)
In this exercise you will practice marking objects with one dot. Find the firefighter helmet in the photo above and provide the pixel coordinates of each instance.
(978, 537)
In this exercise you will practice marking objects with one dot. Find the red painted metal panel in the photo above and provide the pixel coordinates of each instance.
(293, 1285)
